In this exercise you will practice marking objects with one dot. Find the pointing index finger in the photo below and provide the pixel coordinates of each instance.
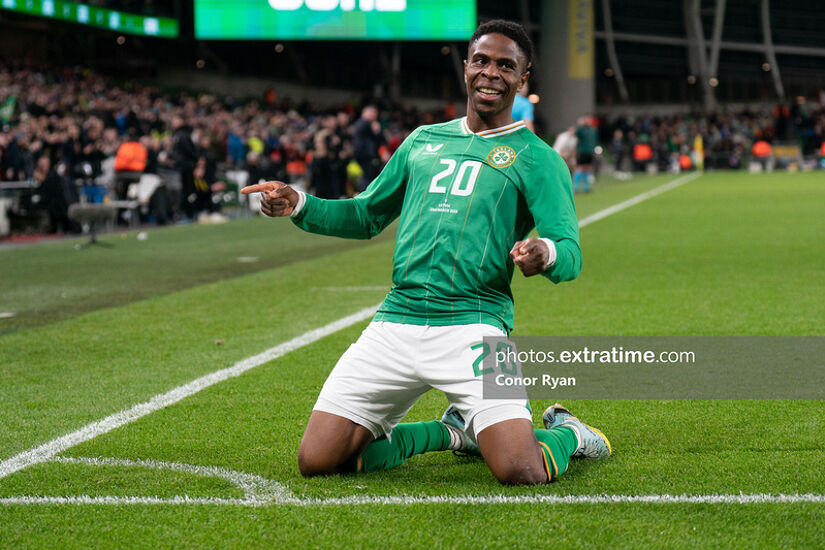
(262, 187)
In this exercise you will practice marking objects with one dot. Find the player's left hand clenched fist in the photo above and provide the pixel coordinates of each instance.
(531, 256)
(277, 198)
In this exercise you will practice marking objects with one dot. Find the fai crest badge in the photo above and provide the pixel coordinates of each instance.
(501, 157)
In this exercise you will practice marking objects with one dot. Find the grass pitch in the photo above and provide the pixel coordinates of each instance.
(100, 330)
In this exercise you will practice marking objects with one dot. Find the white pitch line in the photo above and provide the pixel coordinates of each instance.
(52, 448)
(256, 488)
(601, 214)
(567, 499)
(120, 501)
(439, 499)
(48, 450)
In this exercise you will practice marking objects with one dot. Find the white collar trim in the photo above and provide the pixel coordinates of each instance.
(493, 132)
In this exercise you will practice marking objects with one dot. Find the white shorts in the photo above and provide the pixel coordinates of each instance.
(381, 376)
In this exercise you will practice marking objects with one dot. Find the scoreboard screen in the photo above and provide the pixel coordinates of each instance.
(335, 19)
(84, 14)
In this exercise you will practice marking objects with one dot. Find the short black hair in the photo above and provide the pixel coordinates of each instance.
(511, 30)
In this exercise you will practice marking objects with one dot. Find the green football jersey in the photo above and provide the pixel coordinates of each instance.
(463, 200)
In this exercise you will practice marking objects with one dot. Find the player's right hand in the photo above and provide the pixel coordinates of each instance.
(277, 198)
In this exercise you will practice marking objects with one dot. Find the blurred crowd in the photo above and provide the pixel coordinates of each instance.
(724, 140)
(67, 129)
(71, 134)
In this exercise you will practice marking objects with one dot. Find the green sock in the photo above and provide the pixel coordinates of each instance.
(557, 444)
(407, 439)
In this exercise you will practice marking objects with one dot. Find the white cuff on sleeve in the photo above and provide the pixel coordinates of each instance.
(551, 259)
(302, 199)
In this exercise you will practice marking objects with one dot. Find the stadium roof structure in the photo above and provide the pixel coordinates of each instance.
(716, 47)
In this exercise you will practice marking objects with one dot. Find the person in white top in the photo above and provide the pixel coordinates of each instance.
(565, 145)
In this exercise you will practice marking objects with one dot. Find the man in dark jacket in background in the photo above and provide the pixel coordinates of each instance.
(365, 143)
(185, 155)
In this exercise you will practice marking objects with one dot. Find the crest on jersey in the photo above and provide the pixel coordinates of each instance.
(501, 157)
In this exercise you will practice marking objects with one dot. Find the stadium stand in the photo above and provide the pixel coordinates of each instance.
(95, 133)
(79, 116)
(727, 137)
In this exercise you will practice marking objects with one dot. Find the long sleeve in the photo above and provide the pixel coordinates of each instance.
(369, 213)
(550, 199)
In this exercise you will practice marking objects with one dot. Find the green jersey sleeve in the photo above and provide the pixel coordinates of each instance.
(549, 196)
(369, 213)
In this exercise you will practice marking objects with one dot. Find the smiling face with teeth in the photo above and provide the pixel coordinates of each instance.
(494, 69)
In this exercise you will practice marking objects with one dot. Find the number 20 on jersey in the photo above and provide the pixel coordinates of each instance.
(464, 181)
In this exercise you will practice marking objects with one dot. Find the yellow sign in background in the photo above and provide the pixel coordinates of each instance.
(580, 38)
